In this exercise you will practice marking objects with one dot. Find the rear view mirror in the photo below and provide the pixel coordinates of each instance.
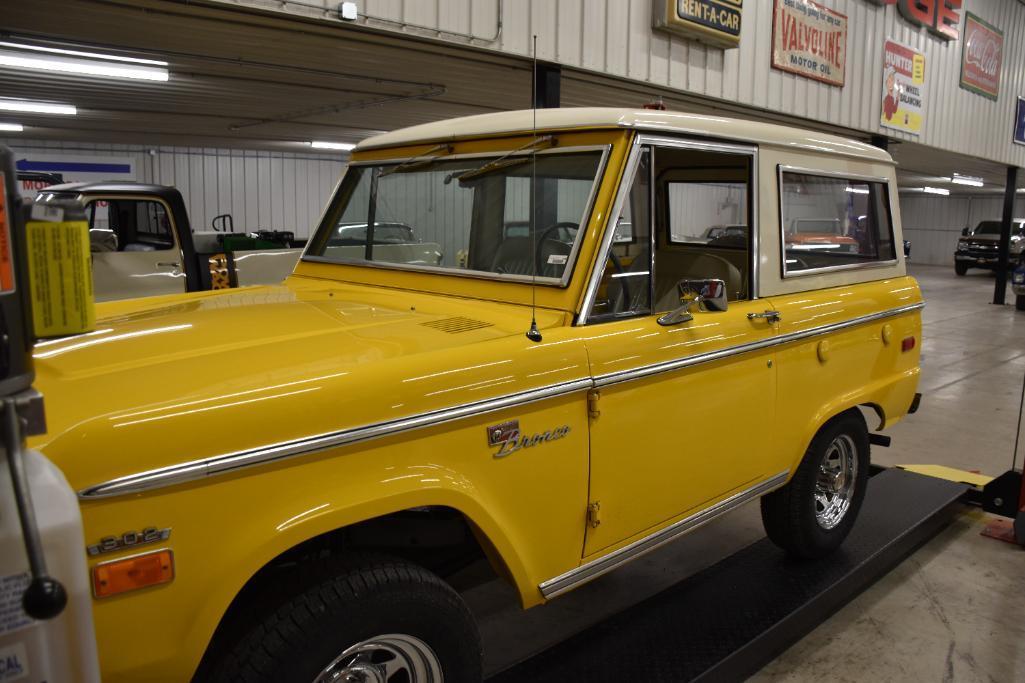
(964, 232)
(709, 294)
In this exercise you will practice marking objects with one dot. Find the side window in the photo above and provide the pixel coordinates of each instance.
(129, 225)
(833, 222)
(702, 221)
(625, 287)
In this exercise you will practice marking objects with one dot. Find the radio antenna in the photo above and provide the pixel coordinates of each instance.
(533, 334)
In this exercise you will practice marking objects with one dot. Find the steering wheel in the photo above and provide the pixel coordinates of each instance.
(569, 225)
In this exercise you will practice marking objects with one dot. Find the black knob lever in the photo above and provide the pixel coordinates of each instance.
(45, 597)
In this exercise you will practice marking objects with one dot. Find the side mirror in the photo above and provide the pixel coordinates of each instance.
(964, 232)
(709, 294)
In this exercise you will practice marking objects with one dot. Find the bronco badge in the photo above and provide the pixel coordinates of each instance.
(507, 437)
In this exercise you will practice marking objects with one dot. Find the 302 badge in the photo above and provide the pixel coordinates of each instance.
(128, 539)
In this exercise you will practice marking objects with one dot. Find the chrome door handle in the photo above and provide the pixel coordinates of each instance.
(771, 316)
(169, 264)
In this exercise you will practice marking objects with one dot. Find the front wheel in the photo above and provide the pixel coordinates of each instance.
(960, 268)
(812, 515)
(381, 620)
(1019, 302)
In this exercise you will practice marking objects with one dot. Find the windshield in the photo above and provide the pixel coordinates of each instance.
(462, 215)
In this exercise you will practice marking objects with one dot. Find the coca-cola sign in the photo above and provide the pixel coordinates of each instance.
(981, 57)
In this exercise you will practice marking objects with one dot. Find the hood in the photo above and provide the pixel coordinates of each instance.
(197, 376)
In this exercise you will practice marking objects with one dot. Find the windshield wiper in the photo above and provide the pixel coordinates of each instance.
(503, 161)
(430, 155)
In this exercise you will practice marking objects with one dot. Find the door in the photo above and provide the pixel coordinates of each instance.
(686, 409)
(135, 248)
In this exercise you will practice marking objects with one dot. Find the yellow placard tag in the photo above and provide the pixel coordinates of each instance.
(60, 277)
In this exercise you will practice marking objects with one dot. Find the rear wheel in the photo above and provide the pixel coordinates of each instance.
(960, 268)
(376, 621)
(812, 515)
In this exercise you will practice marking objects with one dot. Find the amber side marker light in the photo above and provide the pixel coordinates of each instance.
(907, 344)
(132, 573)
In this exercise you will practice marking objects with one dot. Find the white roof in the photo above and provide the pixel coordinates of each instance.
(741, 130)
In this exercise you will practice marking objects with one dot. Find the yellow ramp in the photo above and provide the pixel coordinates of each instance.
(950, 474)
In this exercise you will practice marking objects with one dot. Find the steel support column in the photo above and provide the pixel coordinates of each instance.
(1010, 187)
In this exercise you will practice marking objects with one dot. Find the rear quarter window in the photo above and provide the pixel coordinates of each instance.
(831, 222)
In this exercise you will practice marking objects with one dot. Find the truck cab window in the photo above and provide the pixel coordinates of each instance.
(129, 225)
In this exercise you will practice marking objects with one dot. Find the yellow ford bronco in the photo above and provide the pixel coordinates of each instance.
(555, 366)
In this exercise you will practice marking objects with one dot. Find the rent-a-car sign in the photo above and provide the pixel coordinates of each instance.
(981, 57)
(809, 40)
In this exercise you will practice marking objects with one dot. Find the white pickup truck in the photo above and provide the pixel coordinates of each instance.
(143, 245)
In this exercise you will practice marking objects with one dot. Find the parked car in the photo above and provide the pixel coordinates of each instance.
(142, 243)
(1018, 283)
(979, 248)
(397, 240)
(280, 482)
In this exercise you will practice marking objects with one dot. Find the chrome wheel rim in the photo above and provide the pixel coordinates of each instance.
(834, 486)
(391, 658)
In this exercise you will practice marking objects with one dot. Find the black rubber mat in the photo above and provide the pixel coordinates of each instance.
(726, 622)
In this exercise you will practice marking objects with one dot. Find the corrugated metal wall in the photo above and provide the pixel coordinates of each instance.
(261, 190)
(933, 224)
(615, 37)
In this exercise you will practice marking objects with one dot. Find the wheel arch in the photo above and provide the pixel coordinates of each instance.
(445, 536)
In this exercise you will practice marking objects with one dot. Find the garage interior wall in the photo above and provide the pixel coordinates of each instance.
(933, 224)
(615, 37)
(262, 190)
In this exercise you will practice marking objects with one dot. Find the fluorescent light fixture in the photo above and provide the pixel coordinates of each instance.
(936, 190)
(12, 127)
(971, 181)
(37, 107)
(21, 56)
(857, 190)
(344, 146)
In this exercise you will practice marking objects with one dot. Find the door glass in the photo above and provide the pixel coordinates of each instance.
(702, 224)
(625, 287)
(129, 225)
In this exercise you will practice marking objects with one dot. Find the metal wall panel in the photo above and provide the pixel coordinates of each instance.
(261, 190)
(615, 37)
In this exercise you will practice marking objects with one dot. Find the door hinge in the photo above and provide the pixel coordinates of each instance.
(593, 396)
(594, 514)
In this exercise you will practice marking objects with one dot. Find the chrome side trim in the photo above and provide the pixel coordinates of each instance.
(668, 366)
(198, 469)
(595, 568)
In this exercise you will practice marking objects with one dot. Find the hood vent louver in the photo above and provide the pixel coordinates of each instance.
(456, 325)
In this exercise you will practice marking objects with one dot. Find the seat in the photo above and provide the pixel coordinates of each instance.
(515, 256)
(138, 246)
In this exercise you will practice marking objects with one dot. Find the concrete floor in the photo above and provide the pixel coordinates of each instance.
(953, 611)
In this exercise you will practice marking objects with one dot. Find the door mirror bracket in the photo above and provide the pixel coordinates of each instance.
(709, 294)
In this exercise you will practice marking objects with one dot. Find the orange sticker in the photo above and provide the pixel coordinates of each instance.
(6, 252)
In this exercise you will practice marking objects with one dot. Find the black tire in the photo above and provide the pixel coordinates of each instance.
(790, 515)
(359, 600)
(1019, 302)
(960, 268)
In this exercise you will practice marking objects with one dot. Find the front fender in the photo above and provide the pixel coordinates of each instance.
(530, 506)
